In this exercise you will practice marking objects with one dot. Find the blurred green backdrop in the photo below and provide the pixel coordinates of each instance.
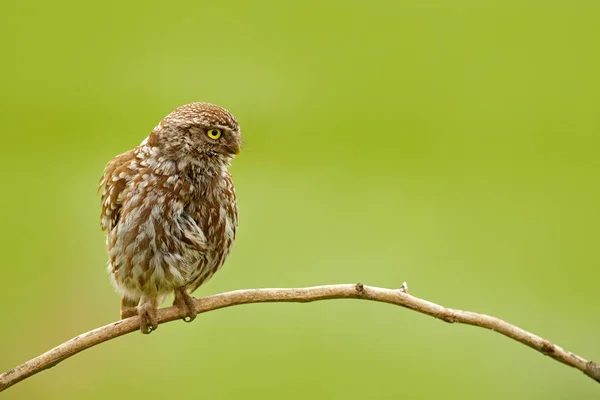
(452, 145)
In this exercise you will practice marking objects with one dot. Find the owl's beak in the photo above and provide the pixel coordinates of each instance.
(233, 148)
(237, 146)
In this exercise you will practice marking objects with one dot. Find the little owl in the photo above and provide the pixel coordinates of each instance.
(169, 210)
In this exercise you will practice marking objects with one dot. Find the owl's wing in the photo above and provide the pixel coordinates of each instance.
(113, 185)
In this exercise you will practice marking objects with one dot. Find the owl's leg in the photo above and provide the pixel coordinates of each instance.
(186, 304)
(128, 307)
(146, 309)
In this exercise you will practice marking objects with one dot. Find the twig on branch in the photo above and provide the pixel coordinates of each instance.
(399, 297)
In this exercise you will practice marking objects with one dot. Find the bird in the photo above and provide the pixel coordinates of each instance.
(169, 210)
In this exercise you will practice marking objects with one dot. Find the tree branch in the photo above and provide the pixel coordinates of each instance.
(397, 297)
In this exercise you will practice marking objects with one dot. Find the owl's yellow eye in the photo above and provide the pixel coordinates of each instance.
(214, 133)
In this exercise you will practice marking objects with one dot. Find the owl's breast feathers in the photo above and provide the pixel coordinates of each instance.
(169, 223)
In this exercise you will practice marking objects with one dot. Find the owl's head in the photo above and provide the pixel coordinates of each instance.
(198, 130)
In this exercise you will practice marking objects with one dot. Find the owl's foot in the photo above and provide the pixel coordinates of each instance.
(148, 318)
(147, 313)
(186, 304)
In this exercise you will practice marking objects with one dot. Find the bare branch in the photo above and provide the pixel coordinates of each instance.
(398, 297)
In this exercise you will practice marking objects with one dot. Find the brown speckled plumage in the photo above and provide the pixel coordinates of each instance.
(169, 210)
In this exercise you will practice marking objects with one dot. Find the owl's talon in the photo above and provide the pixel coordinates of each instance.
(148, 318)
(186, 304)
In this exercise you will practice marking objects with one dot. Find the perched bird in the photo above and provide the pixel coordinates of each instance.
(169, 210)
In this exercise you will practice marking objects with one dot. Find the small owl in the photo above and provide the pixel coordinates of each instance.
(169, 210)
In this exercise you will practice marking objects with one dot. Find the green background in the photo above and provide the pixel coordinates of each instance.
(452, 145)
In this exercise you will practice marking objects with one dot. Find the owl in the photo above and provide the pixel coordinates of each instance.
(169, 210)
